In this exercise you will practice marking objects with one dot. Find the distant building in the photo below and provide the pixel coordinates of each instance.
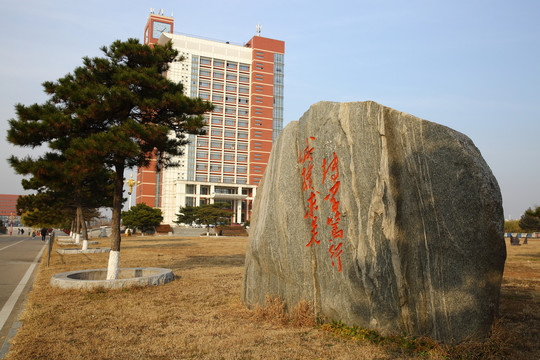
(8, 209)
(245, 84)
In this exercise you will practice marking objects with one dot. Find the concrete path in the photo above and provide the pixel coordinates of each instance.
(19, 256)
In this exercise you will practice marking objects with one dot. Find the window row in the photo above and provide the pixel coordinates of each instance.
(227, 145)
(221, 63)
(229, 133)
(218, 120)
(242, 169)
(231, 110)
(220, 75)
(203, 154)
(217, 179)
(228, 98)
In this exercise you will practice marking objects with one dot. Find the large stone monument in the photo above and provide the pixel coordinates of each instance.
(381, 220)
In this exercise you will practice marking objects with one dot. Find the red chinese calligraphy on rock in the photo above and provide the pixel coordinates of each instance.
(305, 158)
(336, 253)
(333, 165)
(332, 168)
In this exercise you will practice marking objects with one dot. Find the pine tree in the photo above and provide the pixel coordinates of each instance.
(114, 112)
(142, 217)
(530, 220)
(60, 181)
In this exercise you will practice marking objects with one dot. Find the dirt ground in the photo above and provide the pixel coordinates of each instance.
(200, 316)
(520, 299)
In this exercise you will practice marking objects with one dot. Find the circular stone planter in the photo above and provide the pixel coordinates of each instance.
(80, 251)
(97, 278)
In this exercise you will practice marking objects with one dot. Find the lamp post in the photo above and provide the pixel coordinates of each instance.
(130, 183)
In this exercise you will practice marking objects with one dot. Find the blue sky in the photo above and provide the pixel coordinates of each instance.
(470, 65)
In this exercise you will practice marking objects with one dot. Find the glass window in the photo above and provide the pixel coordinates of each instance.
(215, 179)
(204, 96)
(205, 61)
(215, 156)
(242, 123)
(244, 78)
(217, 97)
(231, 65)
(218, 75)
(215, 143)
(228, 179)
(242, 135)
(202, 154)
(242, 100)
(202, 166)
(242, 112)
(228, 157)
(230, 110)
(243, 90)
(244, 67)
(218, 109)
(242, 146)
(190, 189)
(224, 190)
(229, 145)
(215, 167)
(228, 168)
(230, 88)
(202, 142)
(229, 133)
(216, 132)
(218, 63)
(242, 170)
(231, 77)
(205, 73)
(242, 158)
(230, 98)
(200, 177)
(217, 86)
(204, 84)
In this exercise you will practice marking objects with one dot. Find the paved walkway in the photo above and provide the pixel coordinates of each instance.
(19, 256)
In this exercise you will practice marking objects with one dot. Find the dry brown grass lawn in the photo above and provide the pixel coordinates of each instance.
(200, 315)
(520, 299)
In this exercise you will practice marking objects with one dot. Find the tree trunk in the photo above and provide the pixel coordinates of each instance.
(78, 222)
(114, 255)
(83, 223)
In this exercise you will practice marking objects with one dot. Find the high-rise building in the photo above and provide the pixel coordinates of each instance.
(8, 209)
(245, 84)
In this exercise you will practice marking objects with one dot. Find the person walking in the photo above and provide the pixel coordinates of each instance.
(43, 234)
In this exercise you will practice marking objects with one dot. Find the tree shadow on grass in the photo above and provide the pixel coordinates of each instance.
(193, 262)
(156, 246)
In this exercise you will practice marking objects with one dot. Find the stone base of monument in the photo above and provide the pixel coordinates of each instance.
(97, 278)
(81, 251)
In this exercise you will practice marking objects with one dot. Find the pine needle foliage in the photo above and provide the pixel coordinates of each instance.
(112, 113)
